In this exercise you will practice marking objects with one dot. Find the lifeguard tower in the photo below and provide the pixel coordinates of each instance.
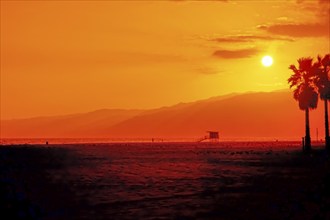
(213, 136)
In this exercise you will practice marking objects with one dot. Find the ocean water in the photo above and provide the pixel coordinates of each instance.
(142, 180)
(182, 180)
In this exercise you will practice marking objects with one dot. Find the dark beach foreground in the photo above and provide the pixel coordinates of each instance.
(164, 181)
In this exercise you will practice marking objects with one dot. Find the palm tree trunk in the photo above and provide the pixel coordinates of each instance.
(307, 147)
(326, 123)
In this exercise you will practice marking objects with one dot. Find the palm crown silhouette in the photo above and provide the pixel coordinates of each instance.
(309, 80)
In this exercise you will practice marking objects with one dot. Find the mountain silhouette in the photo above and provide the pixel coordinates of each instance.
(249, 115)
(75, 125)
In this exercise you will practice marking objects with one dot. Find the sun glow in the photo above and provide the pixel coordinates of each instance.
(267, 61)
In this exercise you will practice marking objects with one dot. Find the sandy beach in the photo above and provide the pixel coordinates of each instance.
(250, 180)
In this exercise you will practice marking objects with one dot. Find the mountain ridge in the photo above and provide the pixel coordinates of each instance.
(254, 114)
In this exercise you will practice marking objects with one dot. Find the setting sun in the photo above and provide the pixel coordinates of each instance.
(165, 109)
(267, 61)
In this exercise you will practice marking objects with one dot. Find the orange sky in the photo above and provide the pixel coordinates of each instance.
(63, 57)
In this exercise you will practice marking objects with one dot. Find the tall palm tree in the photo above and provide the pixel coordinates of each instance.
(323, 84)
(303, 82)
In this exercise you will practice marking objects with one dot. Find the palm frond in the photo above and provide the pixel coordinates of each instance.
(322, 68)
(304, 82)
(305, 63)
(326, 61)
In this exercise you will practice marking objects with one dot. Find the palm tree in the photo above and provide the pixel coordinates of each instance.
(305, 92)
(323, 84)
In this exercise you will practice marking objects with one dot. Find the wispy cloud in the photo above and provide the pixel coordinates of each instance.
(318, 28)
(283, 18)
(235, 54)
(270, 84)
(320, 8)
(197, 0)
(298, 30)
(248, 38)
(208, 70)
